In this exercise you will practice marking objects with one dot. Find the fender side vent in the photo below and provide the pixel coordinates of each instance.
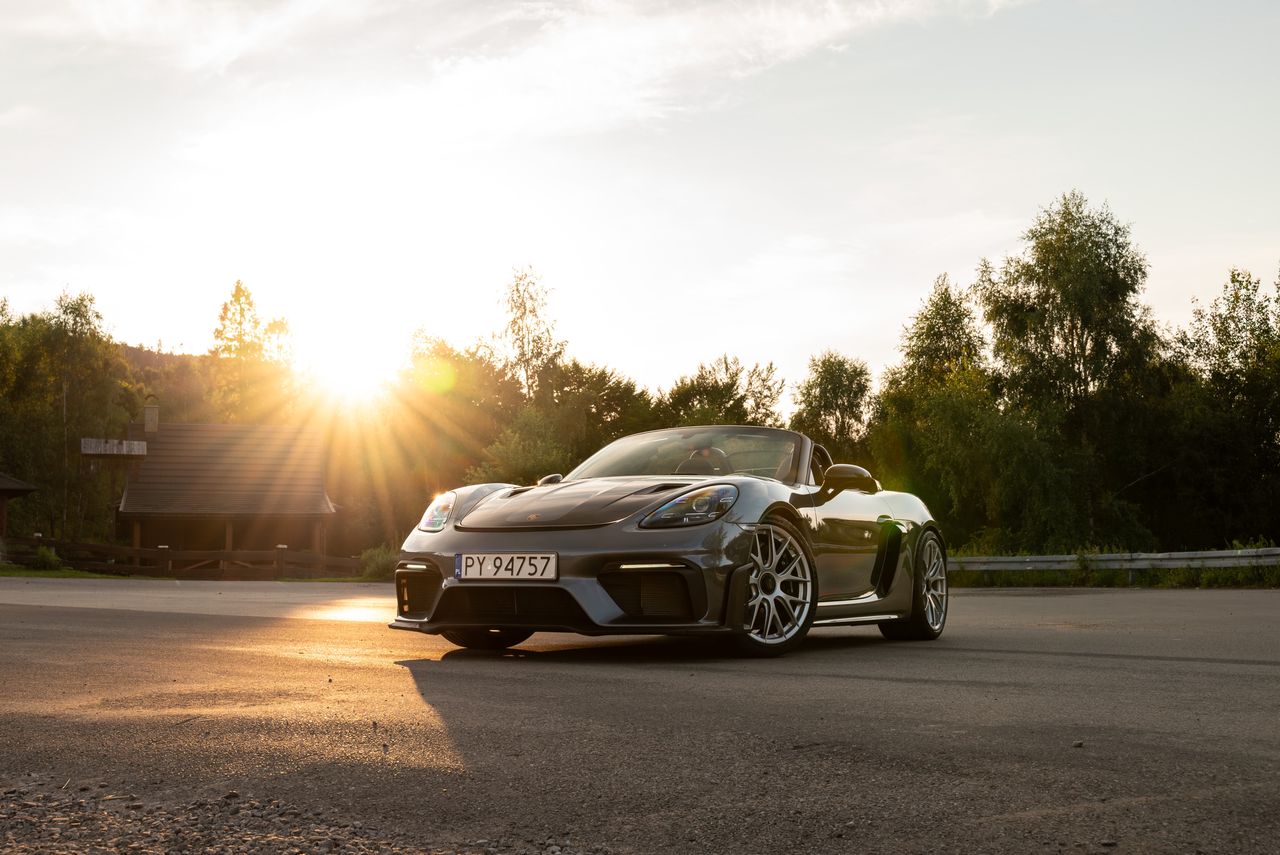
(887, 558)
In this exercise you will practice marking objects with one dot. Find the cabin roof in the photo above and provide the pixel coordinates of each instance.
(12, 488)
(196, 470)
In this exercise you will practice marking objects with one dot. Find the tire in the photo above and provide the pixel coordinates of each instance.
(928, 595)
(487, 639)
(782, 592)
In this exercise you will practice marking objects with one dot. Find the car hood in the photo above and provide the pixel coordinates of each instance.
(572, 504)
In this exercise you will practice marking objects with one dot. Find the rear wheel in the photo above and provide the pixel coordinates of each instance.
(929, 595)
(782, 590)
(487, 639)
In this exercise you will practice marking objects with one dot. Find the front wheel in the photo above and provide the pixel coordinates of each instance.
(782, 590)
(487, 639)
(929, 595)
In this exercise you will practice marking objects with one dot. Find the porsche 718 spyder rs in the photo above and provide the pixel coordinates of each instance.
(747, 532)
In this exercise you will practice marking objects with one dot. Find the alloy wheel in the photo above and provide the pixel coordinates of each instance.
(780, 588)
(935, 585)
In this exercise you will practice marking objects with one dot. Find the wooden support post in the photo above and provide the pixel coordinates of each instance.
(281, 549)
(317, 544)
(230, 545)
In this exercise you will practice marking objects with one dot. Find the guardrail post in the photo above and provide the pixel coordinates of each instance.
(166, 563)
(281, 550)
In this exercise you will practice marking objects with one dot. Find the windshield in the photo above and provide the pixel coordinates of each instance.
(707, 451)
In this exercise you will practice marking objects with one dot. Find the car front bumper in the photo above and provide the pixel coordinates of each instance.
(612, 581)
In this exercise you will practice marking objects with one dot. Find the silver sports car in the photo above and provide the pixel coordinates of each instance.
(748, 532)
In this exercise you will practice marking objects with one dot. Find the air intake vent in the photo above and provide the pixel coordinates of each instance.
(648, 595)
(417, 589)
(518, 606)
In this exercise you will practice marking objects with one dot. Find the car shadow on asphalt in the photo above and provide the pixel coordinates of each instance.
(646, 650)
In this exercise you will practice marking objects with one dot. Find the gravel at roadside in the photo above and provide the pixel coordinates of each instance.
(40, 815)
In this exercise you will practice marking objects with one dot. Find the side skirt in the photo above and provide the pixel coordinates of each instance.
(849, 621)
(871, 602)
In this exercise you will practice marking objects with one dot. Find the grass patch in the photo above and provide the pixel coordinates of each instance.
(1187, 577)
(60, 573)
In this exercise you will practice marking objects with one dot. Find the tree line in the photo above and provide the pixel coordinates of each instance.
(1039, 408)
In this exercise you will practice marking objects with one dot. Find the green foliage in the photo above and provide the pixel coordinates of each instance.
(1233, 344)
(1065, 316)
(529, 337)
(180, 382)
(1221, 425)
(940, 430)
(456, 404)
(378, 563)
(833, 402)
(251, 374)
(589, 406)
(61, 378)
(524, 452)
(45, 559)
(386, 462)
(723, 392)
(943, 338)
(1034, 445)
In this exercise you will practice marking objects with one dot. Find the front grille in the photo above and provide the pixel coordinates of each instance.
(510, 605)
(417, 589)
(649, 595)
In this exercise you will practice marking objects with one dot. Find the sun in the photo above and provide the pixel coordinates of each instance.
(349, 372)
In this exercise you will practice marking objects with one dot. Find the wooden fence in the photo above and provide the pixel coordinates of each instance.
(277, 563)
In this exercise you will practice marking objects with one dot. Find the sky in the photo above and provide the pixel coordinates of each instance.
(768, 180)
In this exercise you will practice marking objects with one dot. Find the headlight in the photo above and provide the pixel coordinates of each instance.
(438, 512)
(694, 508)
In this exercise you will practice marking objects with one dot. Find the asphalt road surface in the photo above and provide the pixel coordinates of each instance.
(268, 716)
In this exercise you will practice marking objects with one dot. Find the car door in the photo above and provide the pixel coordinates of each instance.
(849, 528)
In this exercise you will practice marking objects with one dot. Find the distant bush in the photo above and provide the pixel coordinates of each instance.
(379, 562)
(46, 559)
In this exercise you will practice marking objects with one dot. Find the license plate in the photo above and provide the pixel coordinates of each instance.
(515, 566)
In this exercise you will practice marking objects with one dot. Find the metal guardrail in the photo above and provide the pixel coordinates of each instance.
(1220, 558)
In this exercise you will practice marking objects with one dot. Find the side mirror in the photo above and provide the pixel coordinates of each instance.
(550, 479)
(846, 476)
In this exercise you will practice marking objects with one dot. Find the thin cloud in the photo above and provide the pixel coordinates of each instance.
(554, 67)
(593, 66)
(195, 37)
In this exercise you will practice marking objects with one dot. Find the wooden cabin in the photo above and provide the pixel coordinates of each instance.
(200, 486)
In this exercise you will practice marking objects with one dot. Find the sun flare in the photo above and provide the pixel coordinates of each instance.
(350, 372)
